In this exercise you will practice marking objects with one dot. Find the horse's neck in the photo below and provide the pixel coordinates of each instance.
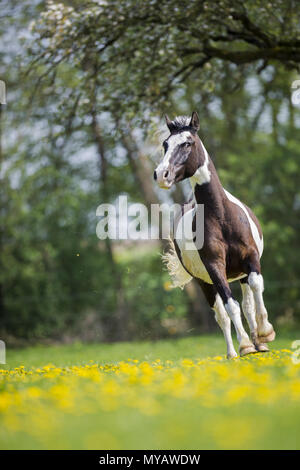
(209, 190)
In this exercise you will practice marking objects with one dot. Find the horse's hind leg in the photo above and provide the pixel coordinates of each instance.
(265, 330)
(255, 280)
(221, 315)
(249, 310)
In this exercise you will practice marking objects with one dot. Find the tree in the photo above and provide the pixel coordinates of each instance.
(145, 50)
(95, 78)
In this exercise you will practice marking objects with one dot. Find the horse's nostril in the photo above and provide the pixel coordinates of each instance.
(166, 174)
(155, 175)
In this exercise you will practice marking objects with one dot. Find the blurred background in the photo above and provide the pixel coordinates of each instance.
(87, 85)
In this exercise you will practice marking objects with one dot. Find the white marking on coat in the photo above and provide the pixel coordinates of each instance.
(256, 282)
(233, 309)
(254, 230)
(190, 257)
(223, 320)
(202, 174)
(248, 307)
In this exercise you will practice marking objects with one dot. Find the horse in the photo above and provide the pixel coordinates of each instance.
(233, 240)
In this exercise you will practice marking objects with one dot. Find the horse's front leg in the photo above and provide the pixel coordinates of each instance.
(224, 322)
(217, 272)
(221, 315)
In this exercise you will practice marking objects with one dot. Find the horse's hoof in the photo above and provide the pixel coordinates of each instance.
(232, 355)
(247, 350)
(261, 347)
(268, 338)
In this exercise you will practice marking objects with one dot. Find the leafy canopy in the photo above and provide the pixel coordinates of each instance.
(140, 51)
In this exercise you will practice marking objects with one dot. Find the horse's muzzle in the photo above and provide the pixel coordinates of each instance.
(164, 177)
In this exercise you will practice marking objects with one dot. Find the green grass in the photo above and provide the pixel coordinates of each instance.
(205, 402)
(174, 350)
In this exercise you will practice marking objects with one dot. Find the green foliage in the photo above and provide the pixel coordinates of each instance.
(150, 300)
(161, 45)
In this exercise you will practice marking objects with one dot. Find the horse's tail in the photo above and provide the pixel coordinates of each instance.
(180, 277)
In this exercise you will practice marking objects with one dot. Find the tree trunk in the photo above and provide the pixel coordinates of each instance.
(118, 327)
(140, 168)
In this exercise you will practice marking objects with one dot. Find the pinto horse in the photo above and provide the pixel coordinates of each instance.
(233, 240)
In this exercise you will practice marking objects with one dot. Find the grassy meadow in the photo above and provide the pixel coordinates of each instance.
(171, 394)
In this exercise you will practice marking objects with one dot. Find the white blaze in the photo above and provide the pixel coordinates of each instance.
(173, 142)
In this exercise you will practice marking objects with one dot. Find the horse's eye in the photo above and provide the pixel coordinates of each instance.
(187, 144)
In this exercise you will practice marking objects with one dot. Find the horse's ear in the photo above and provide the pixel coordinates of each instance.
(169, 122)
(195, 123)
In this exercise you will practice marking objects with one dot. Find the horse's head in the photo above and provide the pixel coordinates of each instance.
(183, 151)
